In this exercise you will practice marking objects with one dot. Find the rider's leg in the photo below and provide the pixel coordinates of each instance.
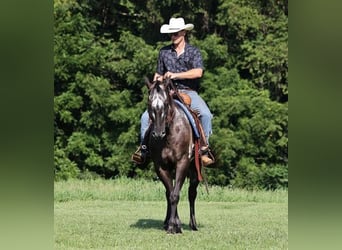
(144, 121)
(198, 104)
(139, 156)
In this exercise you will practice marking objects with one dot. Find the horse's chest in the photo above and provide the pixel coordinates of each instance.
(167, 154)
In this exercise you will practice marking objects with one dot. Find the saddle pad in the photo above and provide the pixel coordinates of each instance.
(191, 119)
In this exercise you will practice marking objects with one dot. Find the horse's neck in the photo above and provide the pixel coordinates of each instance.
(178, 114)
(171, 110)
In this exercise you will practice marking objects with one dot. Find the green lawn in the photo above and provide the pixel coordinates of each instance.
(110, 215)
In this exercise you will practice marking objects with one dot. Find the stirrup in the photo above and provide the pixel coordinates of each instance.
(139, 157)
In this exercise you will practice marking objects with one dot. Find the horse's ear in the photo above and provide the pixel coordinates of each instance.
(167, 81)
(148, 83)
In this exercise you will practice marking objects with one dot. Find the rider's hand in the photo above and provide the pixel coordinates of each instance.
(157, 77)
(170, 75)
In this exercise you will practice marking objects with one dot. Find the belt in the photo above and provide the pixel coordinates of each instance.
(181, 86)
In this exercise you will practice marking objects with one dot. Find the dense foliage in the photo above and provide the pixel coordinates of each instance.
(103, 49)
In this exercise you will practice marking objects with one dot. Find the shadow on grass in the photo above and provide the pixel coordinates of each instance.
(154, 224)
(148, 224)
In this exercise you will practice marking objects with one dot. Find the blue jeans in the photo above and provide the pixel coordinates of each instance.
(198, 104)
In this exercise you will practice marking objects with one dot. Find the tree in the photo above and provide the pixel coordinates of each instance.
(94, 115)
(103, 50)
(257, 35)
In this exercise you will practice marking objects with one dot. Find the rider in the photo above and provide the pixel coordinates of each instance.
(182, 63)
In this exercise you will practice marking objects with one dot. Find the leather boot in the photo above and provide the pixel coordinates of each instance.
(207, 158)
(140, 156)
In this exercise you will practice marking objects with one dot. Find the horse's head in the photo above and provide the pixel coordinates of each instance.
(159, 107)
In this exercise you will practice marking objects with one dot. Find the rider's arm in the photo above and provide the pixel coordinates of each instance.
(190, 74)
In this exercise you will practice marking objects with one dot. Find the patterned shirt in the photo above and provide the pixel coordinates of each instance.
(190, 59)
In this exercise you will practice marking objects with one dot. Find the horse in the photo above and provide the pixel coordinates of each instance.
(171, 143)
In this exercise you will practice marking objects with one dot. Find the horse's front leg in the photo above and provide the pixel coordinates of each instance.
(192, 194)
(168, 209)
(174, 222)
(166, 179)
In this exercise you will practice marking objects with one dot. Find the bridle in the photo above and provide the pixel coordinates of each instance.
(161, 107)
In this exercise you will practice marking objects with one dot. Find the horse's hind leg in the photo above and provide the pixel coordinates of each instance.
(178, 222)
(192, 194)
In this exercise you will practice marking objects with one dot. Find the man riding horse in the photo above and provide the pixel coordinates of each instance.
(182, 63)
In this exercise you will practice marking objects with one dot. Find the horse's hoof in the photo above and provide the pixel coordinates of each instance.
(193, 227)
(174, 230)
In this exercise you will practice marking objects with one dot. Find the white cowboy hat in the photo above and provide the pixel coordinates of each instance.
(175, 25)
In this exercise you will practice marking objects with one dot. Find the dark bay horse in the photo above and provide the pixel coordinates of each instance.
(171, 144)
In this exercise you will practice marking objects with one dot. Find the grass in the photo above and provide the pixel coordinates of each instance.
(128, 214)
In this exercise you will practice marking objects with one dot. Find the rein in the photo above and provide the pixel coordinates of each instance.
(170, 113)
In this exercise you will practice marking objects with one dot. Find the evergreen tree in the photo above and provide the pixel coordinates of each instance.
(103, 50)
